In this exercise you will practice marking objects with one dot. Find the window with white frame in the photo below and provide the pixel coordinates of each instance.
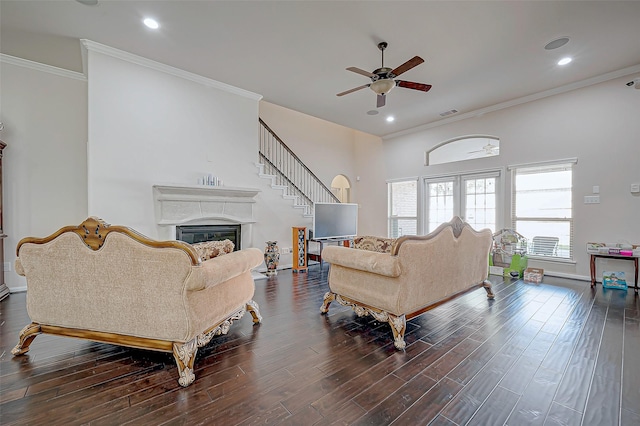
(542, 208)
(403, 208)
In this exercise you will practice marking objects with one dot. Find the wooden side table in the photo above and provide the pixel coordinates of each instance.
(613, 256)
(299, 236)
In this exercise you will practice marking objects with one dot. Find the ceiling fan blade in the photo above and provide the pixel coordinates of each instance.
(360, 71)
(412, 85)
(353, 90)
(381, 101)
(487, 149)
(415, 61)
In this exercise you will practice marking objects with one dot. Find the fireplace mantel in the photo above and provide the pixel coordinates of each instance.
(178, 205)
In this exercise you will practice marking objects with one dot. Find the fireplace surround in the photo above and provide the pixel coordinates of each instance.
(187, 206)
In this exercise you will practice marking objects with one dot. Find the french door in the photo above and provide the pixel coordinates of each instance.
(474, 197)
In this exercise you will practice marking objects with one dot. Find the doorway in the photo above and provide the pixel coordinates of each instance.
(341, 188)
(474, 197)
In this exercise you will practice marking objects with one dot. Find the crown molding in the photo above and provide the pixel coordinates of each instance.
(167, 69)
(25, 63)
(534, 97)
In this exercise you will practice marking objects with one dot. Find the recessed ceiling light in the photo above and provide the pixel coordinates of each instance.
(372, 112)
(151, 23)
(557, 43)
(390, 118)
(564, 61)
(633, 83)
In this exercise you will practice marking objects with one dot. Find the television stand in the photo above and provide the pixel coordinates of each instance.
(317, 257)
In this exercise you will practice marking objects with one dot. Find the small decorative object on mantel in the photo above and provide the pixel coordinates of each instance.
(210, 180)
(271, 257)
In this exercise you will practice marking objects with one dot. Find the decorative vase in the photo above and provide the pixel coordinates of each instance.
(271, 257)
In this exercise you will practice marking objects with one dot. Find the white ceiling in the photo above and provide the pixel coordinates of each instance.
(477, 54)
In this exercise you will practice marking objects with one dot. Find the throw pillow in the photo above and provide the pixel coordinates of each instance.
(210, 249)
(370, 243)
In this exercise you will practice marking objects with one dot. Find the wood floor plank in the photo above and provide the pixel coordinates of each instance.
(629, 418)
(271, 416)
(496, 409)
(562, 416)
(430, 404)
(561, 351)
(379, 391)
(428, 357)
(469, 400)
(576, 381)
(607, 379)
(345, 415)
(399, 401)
(535, 403)
(631, 373)
(330, 402)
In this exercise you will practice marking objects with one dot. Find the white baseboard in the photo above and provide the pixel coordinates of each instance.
(569, 276)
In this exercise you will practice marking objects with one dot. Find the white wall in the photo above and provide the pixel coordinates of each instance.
(371, 186)
(44, 111)
(599, 125)
(147, 127)
(150, 127)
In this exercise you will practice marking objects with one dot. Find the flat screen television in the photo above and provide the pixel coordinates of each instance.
(335, 220)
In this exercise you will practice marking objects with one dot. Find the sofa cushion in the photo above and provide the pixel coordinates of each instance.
(210, 249)
(370, 243)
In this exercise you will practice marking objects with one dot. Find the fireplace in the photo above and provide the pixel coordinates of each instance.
(198, 213)
(199, 233)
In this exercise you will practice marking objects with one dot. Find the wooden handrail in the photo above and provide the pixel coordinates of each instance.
(298, 161)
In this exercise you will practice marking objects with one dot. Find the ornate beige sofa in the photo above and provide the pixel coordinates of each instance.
(395, 280)
(110, 284)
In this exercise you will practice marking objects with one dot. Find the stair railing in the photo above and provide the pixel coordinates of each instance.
(289, 170)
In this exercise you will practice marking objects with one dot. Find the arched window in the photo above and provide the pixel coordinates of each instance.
(463, 148)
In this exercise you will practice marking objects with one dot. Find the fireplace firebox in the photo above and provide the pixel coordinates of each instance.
(200, 233)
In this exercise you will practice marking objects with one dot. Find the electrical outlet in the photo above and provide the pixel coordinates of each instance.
(7, 266)
(285, 250)
(592, 199)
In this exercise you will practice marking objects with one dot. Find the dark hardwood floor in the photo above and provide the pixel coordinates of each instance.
(557, 353)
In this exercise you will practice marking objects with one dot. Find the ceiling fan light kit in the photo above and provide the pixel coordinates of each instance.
(382, 79)
(382, 87)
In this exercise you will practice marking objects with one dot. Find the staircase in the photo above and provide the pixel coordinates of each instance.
(289, 174)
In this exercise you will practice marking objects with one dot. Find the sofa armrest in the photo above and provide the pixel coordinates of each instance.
(363, 260)
(18, 267)
(223, 268)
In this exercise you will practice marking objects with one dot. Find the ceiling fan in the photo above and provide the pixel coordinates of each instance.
(382, 79)
(488, 149)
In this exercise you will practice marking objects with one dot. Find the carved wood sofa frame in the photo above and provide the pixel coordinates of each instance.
(346, 266)
(94, 232)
